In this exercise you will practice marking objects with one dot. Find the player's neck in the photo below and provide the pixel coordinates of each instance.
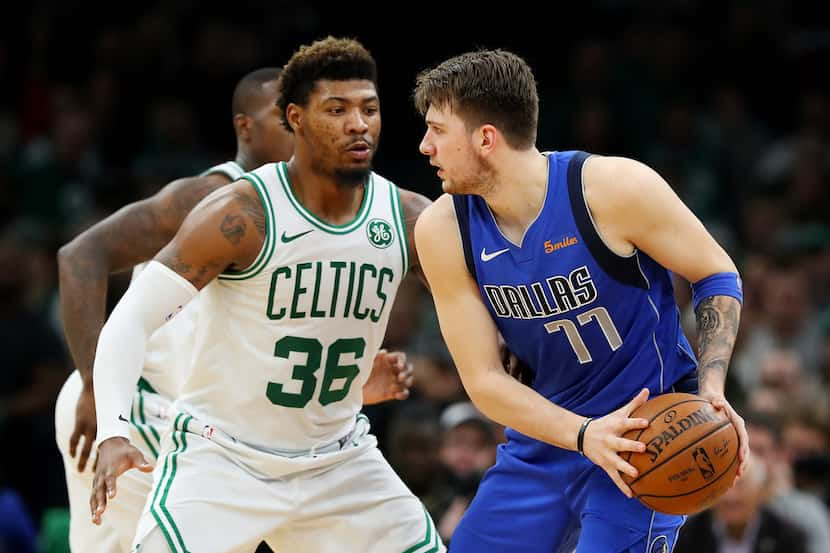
(322, 194)
(247, 160)
(518, 192)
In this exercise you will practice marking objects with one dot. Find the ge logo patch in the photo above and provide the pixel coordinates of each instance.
(659, 545)
(379, 233)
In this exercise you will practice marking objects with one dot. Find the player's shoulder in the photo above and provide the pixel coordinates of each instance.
(619, 173)
(615, 182)
(438, 218)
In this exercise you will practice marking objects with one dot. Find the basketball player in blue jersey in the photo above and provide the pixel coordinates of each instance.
(127, 238)
(568, 256)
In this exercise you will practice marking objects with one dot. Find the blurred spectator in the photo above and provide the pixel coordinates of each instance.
(34, 367)
(468, 449)
(17, 530)
(806, 443)
(740, 522)
(782, 372)
(801, 509)
(789, 322)
(413, 442)
(55, 172)
(172, 148)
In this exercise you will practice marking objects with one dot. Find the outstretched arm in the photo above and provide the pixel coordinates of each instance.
(130, 236)
(226, 230)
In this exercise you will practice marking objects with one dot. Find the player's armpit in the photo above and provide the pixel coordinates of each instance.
(225, 231)
(634, 208)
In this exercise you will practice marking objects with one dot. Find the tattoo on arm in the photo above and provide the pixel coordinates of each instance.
(233, 228)
(717, 327)
(253, 210)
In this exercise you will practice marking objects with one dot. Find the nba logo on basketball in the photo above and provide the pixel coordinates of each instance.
(707, 470)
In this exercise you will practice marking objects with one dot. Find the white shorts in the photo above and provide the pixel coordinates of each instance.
(212, 494)
(120, 520)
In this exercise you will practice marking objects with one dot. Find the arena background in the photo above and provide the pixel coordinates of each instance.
(101, 104)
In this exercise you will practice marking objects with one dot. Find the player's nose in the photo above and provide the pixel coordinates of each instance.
(426, 147)
(357, 124)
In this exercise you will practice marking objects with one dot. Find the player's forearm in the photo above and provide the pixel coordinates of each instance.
(510, 403)
(83, 275)
(718, 318)
(153, 299)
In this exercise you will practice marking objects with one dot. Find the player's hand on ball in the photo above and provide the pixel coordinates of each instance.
(603, 441)
(115, 457)
(391, 378)
(720, 404)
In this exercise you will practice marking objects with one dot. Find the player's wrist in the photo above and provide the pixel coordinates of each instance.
(580, 436)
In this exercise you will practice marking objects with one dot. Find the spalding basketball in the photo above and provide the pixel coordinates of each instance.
(691, 454)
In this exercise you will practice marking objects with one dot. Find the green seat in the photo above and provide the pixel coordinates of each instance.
(54, 531)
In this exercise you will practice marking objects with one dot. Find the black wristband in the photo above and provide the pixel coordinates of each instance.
(580, 438)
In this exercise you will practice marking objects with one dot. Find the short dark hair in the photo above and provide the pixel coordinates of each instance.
(486, 86)
(250, 85)
(337, 59)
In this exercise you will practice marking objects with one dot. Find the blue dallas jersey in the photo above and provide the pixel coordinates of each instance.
(594, 327)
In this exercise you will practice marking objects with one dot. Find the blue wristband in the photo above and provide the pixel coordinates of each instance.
(719, 284)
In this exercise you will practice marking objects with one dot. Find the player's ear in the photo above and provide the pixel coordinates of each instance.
(294, 115)
(242, 126)
(487, 138)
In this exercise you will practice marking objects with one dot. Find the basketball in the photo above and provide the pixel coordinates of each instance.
(691, 455)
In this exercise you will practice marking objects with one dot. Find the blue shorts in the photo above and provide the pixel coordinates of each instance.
(528, 505)
(538, 498)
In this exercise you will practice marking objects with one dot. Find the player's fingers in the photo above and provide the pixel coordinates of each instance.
(109, 484)
(403, 394)
(633, 424)
(409, 382)
(407, 372)
(399, 359)
(97, 501)
(73, 441)
(626, 468)
(615, 476)
(638, 400)
(85, 451)
(623, 444)
(139, 462)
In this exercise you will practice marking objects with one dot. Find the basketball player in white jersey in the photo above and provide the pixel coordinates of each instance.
(298, 265)
(133, 235)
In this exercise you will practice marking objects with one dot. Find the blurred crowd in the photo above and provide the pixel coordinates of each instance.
(734, 113)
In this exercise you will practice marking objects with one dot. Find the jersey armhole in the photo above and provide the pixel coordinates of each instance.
(270, 234)
(625, 270)
(462, 215)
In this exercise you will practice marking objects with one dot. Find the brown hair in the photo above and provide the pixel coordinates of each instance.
(487, 86)
(337, 59)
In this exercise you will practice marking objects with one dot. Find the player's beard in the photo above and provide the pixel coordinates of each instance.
(352, 178)
(480, 180)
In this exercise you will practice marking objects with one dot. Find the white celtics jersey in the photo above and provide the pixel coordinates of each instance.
(169, 347)
(283, 348)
